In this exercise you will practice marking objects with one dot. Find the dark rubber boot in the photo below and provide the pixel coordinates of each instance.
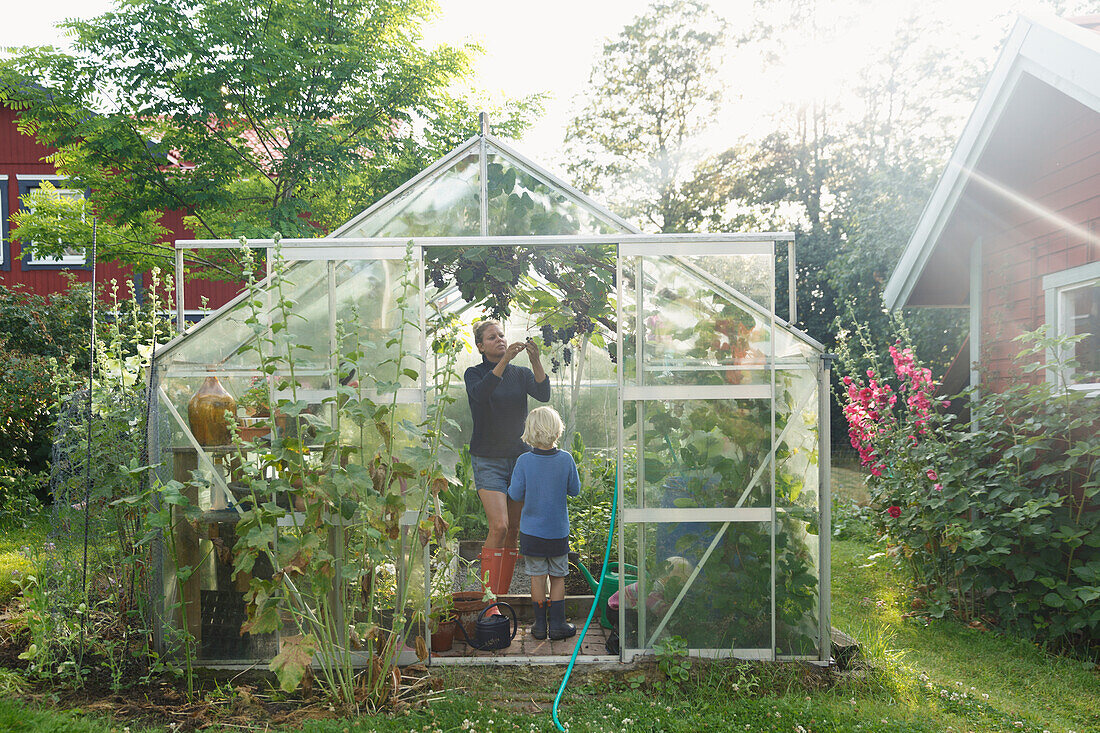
(539, 629)
(558, 627)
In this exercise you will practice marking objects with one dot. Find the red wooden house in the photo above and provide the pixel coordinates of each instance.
(23, 168)
(1012, 229)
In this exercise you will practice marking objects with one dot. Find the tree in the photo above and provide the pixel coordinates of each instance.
(251, 118)
(649, 96)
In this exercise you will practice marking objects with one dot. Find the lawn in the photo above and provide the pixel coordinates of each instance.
(924, 675)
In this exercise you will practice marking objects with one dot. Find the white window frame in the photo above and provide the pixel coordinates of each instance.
(1056, 287)
(70, 259)
(5, 243)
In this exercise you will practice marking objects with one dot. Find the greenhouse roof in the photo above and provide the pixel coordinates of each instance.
(484, 193)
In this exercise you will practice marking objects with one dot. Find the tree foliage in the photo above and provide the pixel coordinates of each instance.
(650, 94)
(849, 175)
(250, 118)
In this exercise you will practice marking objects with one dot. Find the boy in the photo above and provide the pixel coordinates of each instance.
(541, 480)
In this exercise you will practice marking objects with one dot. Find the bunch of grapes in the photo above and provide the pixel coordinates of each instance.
(437, 278)
(567, 355)
(555, 365)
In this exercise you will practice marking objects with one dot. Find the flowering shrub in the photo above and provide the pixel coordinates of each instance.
(996, 517)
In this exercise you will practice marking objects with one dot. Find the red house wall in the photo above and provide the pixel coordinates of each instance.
(1030, 243)
(22, 156)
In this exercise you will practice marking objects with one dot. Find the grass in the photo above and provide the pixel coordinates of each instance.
(1020, 679)
(925, 676)
(14, 537)
(13, 562)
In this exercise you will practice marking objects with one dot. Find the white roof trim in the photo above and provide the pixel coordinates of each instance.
(1059, 53)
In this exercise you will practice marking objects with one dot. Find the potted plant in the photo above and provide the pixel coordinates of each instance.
(254, 410)
(442, 621)
(256, 400)
(468, 604)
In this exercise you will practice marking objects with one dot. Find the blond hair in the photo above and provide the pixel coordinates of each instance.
(480, 326)
(543, 427)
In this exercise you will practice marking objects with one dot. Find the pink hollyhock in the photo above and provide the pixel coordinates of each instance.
(932, 475)
(894, 511)
(938, 487)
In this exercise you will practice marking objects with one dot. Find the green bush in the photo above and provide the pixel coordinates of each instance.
(29, 388)
(851, 520)
(19, 491)
(996, 517)
(56, 326)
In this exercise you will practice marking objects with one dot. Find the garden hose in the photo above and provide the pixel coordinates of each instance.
(592, 610)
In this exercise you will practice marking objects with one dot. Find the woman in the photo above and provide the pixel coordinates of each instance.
(498, 390)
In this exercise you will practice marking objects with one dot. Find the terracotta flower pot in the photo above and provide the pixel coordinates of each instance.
(251, 428)
(443, 637)
(467, 605)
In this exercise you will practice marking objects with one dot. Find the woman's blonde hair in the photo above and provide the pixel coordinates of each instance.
(543, 427)
(480, 326)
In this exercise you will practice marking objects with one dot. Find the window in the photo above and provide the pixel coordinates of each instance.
(5, 243)
(1073, 309)
(70, 255)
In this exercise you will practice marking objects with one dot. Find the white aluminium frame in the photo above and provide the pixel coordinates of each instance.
(342, 245)
(638, 392)
(676, 246)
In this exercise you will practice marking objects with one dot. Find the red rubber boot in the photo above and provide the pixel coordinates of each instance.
(507, 570)
(491, 559)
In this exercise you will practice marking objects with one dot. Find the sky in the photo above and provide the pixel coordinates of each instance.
(550, 47)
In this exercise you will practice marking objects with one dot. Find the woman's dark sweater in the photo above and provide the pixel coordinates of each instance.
(499, 407)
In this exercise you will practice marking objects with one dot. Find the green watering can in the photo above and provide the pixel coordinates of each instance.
(610, 585)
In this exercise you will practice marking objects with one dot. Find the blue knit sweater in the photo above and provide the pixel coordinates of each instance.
(541, 480)
(499, 407)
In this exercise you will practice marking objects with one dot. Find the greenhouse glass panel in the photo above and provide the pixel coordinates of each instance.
(714, 391)
(521, 203)
(444, 204)
(688, 332)
(797, 490)
(702, 453)
(708, 583)
(751, 275)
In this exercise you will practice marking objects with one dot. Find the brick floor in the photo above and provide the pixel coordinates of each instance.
(526, 645)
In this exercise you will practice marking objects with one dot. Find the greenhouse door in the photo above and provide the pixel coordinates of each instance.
(712, 388)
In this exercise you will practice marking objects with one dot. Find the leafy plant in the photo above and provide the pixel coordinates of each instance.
(992, 517)
(673, 662)
(19, 491)
(460, 501)
(87, 617)
(851, 520)
(340, 478)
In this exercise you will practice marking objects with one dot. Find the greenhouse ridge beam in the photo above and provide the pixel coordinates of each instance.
(495, 241)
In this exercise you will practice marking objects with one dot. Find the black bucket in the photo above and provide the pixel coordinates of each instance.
(492, 632)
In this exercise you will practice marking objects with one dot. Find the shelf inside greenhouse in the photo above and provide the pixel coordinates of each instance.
(332, 507)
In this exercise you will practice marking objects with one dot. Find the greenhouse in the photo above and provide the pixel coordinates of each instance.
(309, 434)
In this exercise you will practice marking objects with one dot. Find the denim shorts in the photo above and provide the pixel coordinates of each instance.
(557, 567)
(492, 474)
